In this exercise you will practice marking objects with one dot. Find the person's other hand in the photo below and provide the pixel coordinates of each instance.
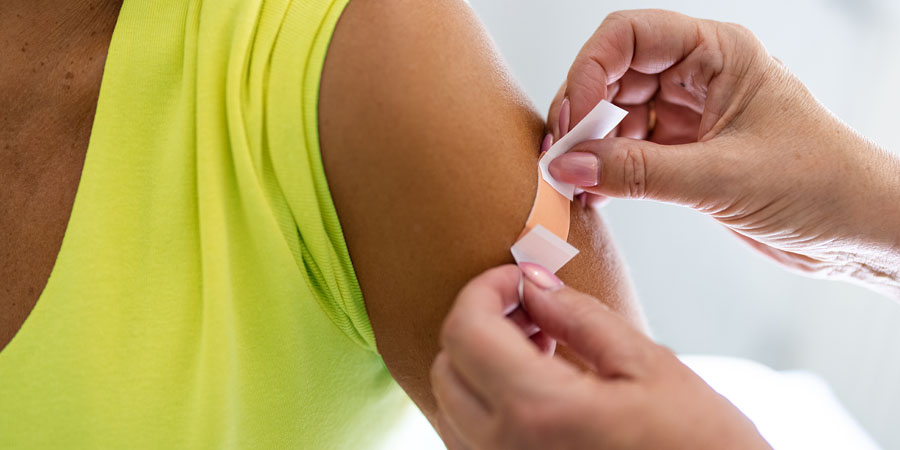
(496, 389)
(719, 125)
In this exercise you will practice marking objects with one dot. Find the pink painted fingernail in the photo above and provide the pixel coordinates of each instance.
(540, 276)
(578, 168)
(548, 142)
(565, 115)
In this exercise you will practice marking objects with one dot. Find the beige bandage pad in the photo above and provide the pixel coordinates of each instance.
(543, 241)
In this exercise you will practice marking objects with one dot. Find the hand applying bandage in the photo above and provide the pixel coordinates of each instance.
(498, 389)
(543, 241)
(717, 124)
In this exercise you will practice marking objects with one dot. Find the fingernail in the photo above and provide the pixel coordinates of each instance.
(565, 115)
(540, 276)
(548, 142)
(578, 168)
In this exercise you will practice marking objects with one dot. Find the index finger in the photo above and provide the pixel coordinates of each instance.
(648, 41)
(487, 349)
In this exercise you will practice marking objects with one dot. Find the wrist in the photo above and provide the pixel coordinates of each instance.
(891, 207)
(876, 261)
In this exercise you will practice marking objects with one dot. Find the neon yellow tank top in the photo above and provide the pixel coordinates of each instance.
(203, 296)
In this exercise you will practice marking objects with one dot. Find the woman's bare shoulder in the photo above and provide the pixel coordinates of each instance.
(431, 152)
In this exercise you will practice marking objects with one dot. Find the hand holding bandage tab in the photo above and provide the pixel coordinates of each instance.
(544, 239)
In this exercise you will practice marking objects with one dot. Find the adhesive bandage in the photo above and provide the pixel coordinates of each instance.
(543, 241)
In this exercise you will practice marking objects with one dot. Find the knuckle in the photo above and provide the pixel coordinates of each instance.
(618, 16)
(437, 369)
(586, 77)
(634, 172)
(584, 317)
(741, 32)
(626, 358)
(522, 421)
(645, 358)
(665, 352)
(653, 354)
(452, 330)
(585, 311)
(666, 359)
(631, 15)
(739, 40)
(520, 415)
(634, 357)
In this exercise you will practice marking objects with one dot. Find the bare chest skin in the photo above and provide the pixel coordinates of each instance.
(52, 54)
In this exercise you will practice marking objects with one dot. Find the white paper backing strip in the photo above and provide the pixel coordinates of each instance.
(540, 246)
(596, 125)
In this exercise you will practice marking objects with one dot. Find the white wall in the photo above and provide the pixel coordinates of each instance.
(703, 291)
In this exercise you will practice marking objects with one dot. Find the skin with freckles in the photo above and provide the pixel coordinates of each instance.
(431, 154)
(53, 54)
(430, 148)
(735, 136)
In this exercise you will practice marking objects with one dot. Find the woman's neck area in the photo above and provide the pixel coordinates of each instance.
(50, 51)
(47, 25)
(52, 55)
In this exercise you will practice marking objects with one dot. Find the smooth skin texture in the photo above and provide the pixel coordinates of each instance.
(53, 54)
(497, 391)
(737, 137)
(431, 153)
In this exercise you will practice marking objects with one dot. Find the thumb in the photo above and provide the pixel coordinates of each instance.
(630, 168)
(603, 339)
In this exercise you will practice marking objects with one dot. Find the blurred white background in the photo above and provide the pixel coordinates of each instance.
(703, 291)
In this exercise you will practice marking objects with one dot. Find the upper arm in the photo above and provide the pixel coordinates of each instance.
(431, 150)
